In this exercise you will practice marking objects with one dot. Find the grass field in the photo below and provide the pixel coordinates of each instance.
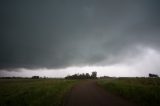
(33, 92)
(142, 91)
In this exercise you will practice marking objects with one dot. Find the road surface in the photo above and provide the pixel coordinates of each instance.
(88, 93)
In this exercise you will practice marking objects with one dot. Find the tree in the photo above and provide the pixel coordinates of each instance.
(82, 76)
(94, 75)
(35, 77)
(153, 75)
(87, 75)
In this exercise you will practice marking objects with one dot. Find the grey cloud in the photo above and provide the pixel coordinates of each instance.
(57, 34)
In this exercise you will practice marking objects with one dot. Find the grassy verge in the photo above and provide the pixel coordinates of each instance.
(31, 92)
(143, 91)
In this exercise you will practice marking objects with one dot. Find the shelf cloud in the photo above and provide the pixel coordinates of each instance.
(65, 33)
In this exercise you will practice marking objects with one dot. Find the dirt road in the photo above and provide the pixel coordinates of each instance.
(88, 93)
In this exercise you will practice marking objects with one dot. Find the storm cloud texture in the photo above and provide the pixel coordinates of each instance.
(63, 33)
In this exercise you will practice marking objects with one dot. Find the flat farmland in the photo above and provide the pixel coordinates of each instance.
(34, 92)
(91, 92)
(142, 91)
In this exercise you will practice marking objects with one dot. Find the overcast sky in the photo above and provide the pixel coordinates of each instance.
(60, 37)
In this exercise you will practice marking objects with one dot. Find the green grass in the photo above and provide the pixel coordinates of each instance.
(33, 92)
(143, 91)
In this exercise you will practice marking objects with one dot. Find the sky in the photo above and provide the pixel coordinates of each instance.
(56, 38)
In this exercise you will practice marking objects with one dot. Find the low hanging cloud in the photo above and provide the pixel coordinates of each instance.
(139, 66)
(59, 34)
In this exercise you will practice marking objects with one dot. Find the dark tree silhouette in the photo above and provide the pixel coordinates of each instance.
(153, 75)
(82, 76)
(35, 77)
(94, 75)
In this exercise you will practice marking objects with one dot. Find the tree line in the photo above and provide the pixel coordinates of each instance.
(83, 76)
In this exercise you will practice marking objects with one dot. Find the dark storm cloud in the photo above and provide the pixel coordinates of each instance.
(61, 33)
